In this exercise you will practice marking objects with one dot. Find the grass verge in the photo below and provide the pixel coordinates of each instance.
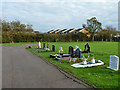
(98, 76)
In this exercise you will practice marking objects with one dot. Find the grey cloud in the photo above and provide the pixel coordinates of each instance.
(46, 16)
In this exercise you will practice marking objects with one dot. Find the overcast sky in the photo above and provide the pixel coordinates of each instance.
(45, 15)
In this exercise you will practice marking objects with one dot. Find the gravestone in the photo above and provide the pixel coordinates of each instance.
(71, 50)
(106, 40)
(102, 40)
(43, 45)
(87, 47)
(53, 48)
(114, 62)
(78, 53)
(110, 40)
(39, 45)
(48, 45)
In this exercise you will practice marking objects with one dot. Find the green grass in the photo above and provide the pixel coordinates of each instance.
(99, 76)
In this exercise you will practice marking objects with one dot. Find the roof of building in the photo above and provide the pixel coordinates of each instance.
(65, 30)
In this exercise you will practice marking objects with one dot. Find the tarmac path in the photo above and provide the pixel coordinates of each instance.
(22, 69)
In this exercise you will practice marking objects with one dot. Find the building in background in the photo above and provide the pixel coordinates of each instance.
(68, 31)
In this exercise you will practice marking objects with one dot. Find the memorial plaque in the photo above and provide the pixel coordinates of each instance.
(114, 62)
(53, 48)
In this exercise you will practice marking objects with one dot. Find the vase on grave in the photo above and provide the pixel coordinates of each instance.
(92, 60)
(84, 61)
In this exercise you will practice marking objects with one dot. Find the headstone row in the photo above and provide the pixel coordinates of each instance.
(53, 46)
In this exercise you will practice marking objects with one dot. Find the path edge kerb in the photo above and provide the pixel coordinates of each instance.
(66, 73)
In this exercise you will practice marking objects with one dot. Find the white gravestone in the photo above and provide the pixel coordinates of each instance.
(114, 63)
(39, 45)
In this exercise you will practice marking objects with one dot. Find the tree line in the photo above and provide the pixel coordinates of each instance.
(15, 31)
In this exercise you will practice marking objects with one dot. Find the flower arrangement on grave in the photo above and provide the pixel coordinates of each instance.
(61, 51)
(70, 60)
(47, 49)
(56, 55)
(74, 59)
(77, 60)
(84, 60)
(37, 46)
(92, 59)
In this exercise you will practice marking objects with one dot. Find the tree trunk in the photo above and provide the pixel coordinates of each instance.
(93, 37)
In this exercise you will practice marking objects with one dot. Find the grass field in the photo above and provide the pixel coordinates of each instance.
(98, 76)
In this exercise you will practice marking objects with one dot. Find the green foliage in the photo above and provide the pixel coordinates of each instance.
(93, 26)
(15, 31)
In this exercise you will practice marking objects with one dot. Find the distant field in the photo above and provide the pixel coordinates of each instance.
(99, 76)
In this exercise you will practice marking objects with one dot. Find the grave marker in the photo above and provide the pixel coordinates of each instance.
(39, 45)
(53, 48)
(71, 50)
(48, 45)
(78, 53)
(114, 62)
(43, 45)
(87, 47)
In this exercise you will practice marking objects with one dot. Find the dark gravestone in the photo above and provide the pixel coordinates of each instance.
(87, 47)
(53, 48)
(71, 50)
(48, 45)
(43, 45)
(30, 47)
(78, 53)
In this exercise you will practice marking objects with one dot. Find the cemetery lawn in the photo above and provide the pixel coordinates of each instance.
(98, 76)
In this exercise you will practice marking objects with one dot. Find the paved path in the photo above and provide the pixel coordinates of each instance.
(22, 69)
